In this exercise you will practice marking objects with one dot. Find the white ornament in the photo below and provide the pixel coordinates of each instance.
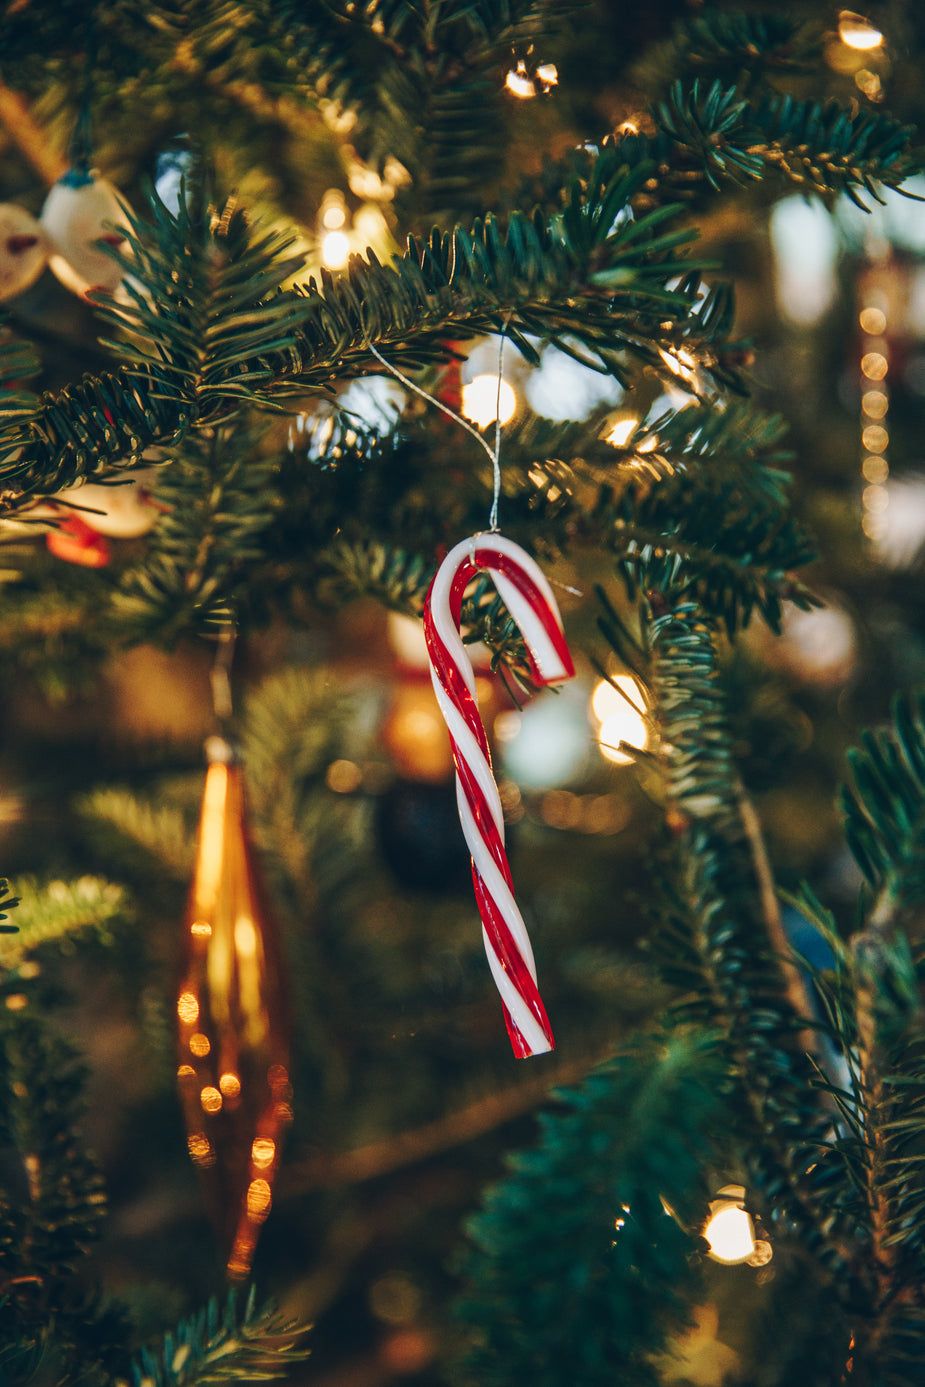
(23, 250)
(125, 511)
(81, 210)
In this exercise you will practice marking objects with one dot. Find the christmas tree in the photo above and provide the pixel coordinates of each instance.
(331, 331)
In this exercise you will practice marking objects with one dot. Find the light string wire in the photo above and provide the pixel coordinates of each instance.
(493, 453)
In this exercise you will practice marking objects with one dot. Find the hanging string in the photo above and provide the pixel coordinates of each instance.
(493, 453)
(496, 457)
(220, 677)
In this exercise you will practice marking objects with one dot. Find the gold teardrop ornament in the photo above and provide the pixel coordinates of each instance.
(233, 1064)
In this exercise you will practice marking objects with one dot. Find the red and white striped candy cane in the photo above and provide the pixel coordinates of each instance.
(529, 599)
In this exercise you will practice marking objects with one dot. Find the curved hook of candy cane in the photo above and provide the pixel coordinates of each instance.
(530, 601)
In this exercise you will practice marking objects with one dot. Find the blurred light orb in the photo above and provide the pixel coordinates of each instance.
(874, 365)
(898, 219)
(376, 401)
(561, 388)
(730, 1228)
(545, 745)
(899, 529)
(856, 31)
(619, 713)
(818, 646)
(875, 469)
(804, 243)
(875, 404)
(406, 638)
(482, 402)
(333, 210)
(872, 321)
(335, 249)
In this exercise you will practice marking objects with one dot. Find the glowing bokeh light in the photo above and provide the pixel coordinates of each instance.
(730, 1233)
(481, 399)
(618, 706)
(188, 1008)
(335, 249)
(856, 31)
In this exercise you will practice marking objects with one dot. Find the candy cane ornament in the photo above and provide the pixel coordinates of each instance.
(530, 601)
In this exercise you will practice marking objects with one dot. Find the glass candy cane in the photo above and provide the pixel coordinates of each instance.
(530, 601)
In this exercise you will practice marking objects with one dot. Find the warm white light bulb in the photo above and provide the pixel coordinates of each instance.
(335, 249)
(730, 1233)
(622, 432)
(620, 716)
(856, 31)
(548, 74)
(481, 397)
(519, 83)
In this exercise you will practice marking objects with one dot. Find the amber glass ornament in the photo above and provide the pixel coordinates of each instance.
(233, 1029)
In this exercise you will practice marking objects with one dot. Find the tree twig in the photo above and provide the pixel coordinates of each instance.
(407, 1148)
(29, 137)
(795, 988)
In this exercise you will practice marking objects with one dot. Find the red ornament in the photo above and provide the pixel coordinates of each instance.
(75, 541)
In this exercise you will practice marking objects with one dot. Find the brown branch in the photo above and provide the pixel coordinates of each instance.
(795, 989)
(29, 137)
(458, 1128)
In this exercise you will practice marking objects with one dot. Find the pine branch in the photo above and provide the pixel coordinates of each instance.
(402, 1149)
(219, 338)
(696, 501)
(218, 503)
(635, 1133)
(587, 275)
(58, 911)
(707, 134)
(884, 808)
(730, 559)
(822, 147)
(712, 941)
(8, 902)
(240, 1344)
(18, 363)
(51, 1211)
(734, 46)
(161, 831)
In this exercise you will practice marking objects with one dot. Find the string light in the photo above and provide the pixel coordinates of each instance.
(520, 84)
(335, 249)
(855, 31)
(332, 220)
(622, 431)
(482, 402)
(618, 707)
(730, 1231)
(875, 404)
